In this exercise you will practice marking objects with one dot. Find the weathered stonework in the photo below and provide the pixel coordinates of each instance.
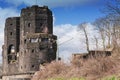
(28, 42)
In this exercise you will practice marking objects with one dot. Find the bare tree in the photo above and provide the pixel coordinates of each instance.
(100, 26)
(96, 42)
(116, 33)
(109, 28)
(113, 28)
(112, 7)
(82, 27)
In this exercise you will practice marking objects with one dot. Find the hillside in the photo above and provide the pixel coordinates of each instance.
(91, 69)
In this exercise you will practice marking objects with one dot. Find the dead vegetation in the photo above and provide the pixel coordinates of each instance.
(91, 69)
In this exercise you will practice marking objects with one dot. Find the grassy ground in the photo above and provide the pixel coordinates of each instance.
(106, 78)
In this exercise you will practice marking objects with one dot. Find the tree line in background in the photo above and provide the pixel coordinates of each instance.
(108, 27)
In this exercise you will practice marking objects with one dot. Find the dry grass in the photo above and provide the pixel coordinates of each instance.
(91, 69)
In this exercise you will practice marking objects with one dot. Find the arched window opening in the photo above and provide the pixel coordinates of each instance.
(33, 51)
(25, 41)
(33, 66)
(11, 33)
(11, 49)
(12, 57)
(11, 24)
(29, 24)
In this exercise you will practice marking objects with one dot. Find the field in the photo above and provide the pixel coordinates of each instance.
(101, 68)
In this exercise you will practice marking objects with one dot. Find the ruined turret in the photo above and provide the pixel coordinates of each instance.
(28, 42)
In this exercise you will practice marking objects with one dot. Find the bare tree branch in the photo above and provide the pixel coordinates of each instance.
(83, 26)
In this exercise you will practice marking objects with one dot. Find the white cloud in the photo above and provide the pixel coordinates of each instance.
(70, 40)
(51, 3)
(5, 13)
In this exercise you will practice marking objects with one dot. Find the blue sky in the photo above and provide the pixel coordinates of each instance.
(77, 14)
(68, 14)
(69, 11)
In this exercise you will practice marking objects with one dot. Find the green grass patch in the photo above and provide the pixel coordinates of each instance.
(111, 78)
(66, 79)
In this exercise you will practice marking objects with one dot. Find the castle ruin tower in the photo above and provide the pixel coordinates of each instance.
(37, 42)
(11, 45)
(28, 42)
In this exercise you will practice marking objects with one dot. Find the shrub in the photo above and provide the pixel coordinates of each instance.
(90, 69)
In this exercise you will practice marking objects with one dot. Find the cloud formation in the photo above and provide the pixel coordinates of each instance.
(5, 13)
(51, 3)
(70, 40)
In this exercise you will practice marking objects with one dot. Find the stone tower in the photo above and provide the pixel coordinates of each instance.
(28, 42)
(11, 45)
